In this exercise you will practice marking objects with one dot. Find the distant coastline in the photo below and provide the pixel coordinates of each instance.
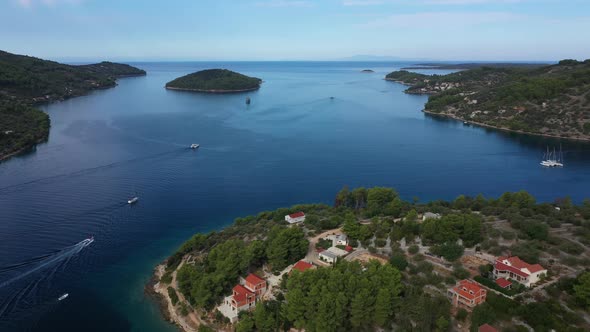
(547, 101)
(480, 124)
(22, 124)
(465, 66)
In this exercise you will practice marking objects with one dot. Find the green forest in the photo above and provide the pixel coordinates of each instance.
(407, 292)
(27, 81)
(548, 100)
(215, 80)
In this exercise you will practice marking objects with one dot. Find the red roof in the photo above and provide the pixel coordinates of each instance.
(516, 266)
(241, 293)
(487, 328)
(502, 282)
(297, 215)
(470, 286)
(348, 248)
(254, 279)
(302, 266)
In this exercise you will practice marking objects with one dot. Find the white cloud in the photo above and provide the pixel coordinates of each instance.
(284, 3)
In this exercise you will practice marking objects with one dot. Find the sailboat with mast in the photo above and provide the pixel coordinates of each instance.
(552, 159)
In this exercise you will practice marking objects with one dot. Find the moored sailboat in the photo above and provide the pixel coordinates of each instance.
(552, 159)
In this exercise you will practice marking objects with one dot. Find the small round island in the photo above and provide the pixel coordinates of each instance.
(367, 71)
(215, 81)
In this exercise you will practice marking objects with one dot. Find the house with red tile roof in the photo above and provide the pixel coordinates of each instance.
(504, 283)
(296, 217)
(486, 328)
(467, 293)
(244, 297)
(302, 266)
(516, 269)
(255, 284)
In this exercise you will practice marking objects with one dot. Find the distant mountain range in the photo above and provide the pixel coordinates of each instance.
(364, 57)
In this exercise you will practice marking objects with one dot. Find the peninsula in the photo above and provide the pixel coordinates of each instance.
(27, 81)
(551, 101)
(375, 262)
(215, 81)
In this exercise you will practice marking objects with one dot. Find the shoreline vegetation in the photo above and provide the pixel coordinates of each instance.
(215, 81)
(465, 66)
(213, 90)
(401, 258)
(27, 82)
(550, 101)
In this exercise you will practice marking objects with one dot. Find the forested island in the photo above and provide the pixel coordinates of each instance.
(215, 81)
(549, 100)
(374, 262)
(27, 81)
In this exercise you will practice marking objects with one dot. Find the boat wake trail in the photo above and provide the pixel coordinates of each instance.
(44, 262)
(23, 295)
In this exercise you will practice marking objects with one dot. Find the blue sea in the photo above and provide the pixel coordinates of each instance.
(312, 128)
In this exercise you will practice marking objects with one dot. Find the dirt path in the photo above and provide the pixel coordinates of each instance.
(188, 325)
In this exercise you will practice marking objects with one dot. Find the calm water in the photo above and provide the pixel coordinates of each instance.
(293, 144)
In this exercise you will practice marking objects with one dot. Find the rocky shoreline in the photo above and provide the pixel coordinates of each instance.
(172, 313)
(480, 124)
(161, 301)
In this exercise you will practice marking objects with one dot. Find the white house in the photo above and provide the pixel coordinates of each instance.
(328, 256)
(513, 268)
(430, 215)
(340, 239)
(295, 217)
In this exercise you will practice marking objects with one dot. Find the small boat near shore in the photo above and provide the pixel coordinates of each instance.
(133, 200)
(194, 146)
(63, 297)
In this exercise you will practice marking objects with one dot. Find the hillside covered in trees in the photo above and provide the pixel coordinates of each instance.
(415, 261)
(27, 81)
(548, 100)
(215, 81)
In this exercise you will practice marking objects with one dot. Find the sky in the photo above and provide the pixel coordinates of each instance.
(184, 30)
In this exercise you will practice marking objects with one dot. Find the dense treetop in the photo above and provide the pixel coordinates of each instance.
(215, 80)
(405, 292)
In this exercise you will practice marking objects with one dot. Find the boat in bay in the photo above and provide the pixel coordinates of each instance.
(552, 158)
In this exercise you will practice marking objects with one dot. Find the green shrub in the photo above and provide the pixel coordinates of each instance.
(173, 295)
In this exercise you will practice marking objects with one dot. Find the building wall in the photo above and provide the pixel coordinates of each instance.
(327, 259)
(528, 282)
